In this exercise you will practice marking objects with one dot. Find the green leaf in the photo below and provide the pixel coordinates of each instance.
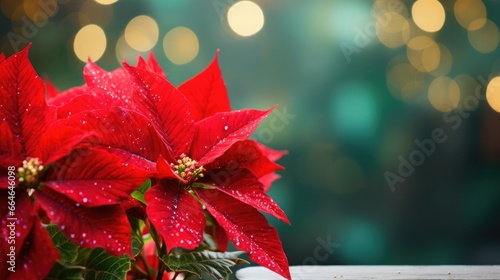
(137, 244)
(139, 193)
(62, 272)
(103, 266)
(67, 249)
(216, 264)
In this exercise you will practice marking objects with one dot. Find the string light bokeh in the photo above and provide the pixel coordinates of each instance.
(359, 83)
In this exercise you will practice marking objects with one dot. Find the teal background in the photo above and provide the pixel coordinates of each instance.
(338, 120)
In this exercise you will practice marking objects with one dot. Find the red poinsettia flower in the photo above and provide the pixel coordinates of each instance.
(212, 162)
(78, 186)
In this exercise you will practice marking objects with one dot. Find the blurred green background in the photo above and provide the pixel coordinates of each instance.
(388, 108)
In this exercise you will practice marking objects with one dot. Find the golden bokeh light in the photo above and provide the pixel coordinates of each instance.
(142, 33)
(444, 94)
(403, 80)
(429, 15)
(484, 39)
(124, 52)
(389, 29)
(493, 94)
(423, 53)
(468, 11)
(245, 18)
(90, 42)
(445, 61)
(180, 45)
(106, 2)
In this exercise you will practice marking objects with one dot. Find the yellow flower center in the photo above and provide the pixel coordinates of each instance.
(30, 172)
(186, 169)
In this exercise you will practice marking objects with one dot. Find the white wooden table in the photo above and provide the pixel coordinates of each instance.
(376, 272)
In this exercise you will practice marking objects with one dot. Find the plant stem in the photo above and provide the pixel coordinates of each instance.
(154, 235)
(175, 275)
(161, 265)
(140, 271)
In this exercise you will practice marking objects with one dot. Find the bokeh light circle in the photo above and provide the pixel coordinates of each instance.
(142, 33)
(468, 11)
(180, 45)
(484, 39)
(493, 94)
(404, 81)
(106, 2)
(429, 15)
(90, 42)
(389, 29)
(444, 94)
(423, 53)
(245, 18)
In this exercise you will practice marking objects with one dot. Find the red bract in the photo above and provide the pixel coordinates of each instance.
(211, 161)
(79, 185)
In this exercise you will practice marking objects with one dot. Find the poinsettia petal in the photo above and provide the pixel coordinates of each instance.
(272, 154)
(268, 179)
(93, 99)
(103, 226)
(59, 140)
(11, 151)
(38, 254)
(51, 90)
(94, 177)
(165, 171)
(166, 107)
(34, 252)
(216, 134)
(2, 57)
(244, 186)
(122, 132)
(22, 101)
(245, 154)
(207, 92)
(134, 208)
(142, 64)
(116, 83)
(66, 96)
(248, 230)
(176, 214)
(23, 214)
(4, 180)
(155, 66)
